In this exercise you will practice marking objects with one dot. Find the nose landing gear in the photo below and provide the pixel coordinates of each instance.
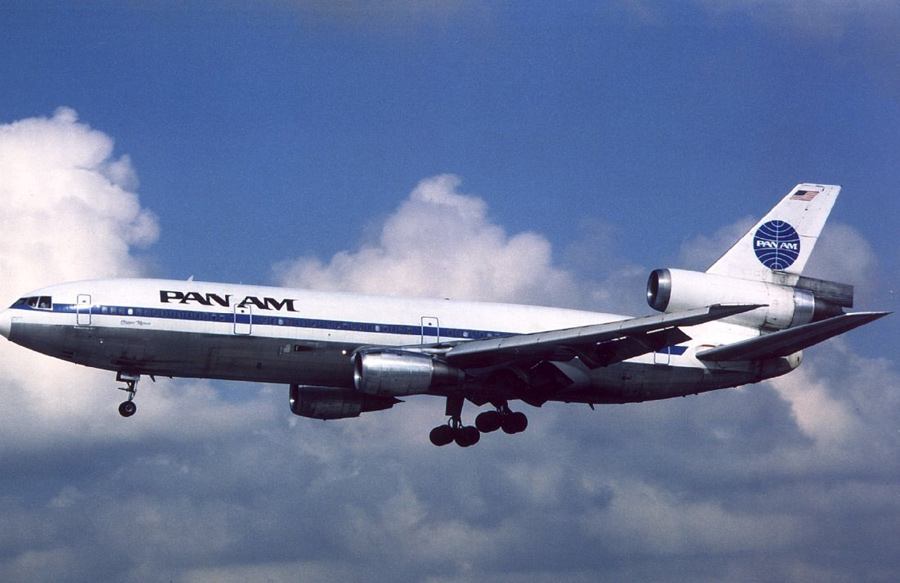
(128, 408)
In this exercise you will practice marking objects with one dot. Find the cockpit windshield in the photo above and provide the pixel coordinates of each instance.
(38, 302)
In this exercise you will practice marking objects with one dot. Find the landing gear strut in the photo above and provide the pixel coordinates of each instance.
(128, 408)
(454, 430)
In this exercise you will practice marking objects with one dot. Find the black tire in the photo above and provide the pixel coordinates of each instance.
(515, 423)
(441, 435)
(488, 421)
(127, 409)
(467, 436)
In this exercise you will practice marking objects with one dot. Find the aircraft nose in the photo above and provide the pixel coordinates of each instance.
(5, 323)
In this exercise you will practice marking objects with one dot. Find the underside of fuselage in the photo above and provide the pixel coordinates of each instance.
(263, 359)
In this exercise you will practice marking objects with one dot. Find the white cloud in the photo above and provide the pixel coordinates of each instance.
(843, 254)
(199, 486)
(818, 415)
(643, 518)
(71, 213)
(441, 243)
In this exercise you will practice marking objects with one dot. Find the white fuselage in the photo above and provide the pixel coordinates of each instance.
(279, 335)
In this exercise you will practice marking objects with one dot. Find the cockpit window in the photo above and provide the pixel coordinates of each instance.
(39, 302)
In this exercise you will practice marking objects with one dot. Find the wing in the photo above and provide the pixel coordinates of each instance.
(597, 345)
(789, 341)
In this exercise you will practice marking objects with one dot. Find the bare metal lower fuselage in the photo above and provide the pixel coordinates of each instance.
(262, 359)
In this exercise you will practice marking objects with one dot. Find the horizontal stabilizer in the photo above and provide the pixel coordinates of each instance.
(539, 345)
(789, 341)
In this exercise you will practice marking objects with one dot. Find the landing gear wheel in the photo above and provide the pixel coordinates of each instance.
(454, 430)
(127, 409)
(488, 421)
(514, 423)
(441, 435)
(467, 436)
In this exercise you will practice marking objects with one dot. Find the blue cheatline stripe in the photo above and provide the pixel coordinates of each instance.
(281, 321)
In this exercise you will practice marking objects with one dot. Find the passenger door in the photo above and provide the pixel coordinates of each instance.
(431, 330)
(83, 310)
(243, 320)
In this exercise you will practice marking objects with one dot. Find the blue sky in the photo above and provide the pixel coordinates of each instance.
(286, 120)
(570, 150)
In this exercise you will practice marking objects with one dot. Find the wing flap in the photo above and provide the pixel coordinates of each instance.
(621, 349)
(539, 345)
(789, 341)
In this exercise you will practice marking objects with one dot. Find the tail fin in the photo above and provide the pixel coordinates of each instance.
(782, 242)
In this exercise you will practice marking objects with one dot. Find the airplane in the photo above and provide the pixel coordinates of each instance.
(745, 319)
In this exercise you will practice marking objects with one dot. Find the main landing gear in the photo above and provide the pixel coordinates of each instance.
(454, 430)
(509, 421)
(128, 408)
(486, 422)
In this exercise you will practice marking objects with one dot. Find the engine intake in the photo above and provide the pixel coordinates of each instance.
(803, 301)
(334, 402)
(401, 372)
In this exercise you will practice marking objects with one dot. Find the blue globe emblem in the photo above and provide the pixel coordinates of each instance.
(777, 245)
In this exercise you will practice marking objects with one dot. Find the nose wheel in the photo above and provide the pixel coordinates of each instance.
(128, 408)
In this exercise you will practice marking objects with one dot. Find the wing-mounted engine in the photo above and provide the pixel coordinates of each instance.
(334, 402)
(792, 301)
(402, 372)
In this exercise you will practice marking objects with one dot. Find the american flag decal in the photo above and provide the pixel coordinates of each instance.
(806, 195)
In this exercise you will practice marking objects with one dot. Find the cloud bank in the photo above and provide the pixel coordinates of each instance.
(794, 480)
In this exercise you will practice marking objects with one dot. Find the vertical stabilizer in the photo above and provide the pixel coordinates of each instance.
(782, 242)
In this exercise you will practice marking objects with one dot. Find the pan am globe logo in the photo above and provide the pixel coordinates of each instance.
(777, 245)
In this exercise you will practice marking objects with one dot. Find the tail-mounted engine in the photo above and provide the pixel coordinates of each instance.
(401, 372)
(334, 402)
(802, 301)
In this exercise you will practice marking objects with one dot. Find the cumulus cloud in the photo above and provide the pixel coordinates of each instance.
(212, 482)
(71, 212)
(74, 213)
(442, 243)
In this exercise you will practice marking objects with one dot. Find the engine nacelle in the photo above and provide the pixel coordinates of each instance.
(807, 300)
(334, 402)
(401, 372)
